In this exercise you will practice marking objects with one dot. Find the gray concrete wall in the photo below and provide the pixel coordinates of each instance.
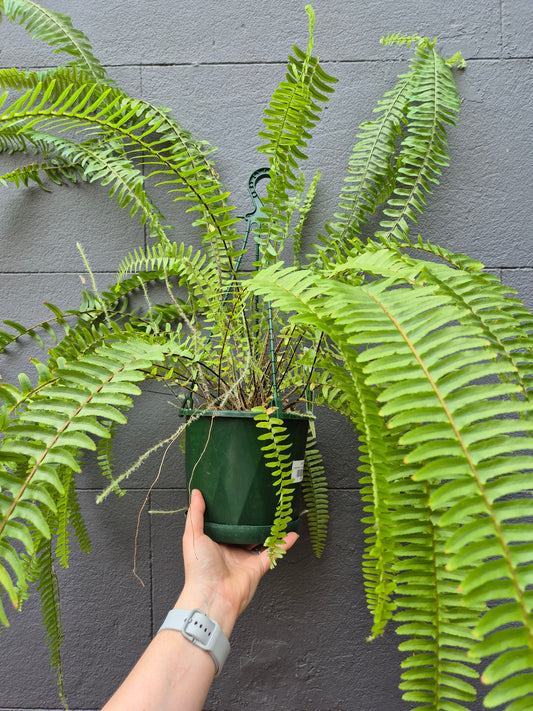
(301, 644)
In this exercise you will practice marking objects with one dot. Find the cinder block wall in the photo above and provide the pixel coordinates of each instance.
(301, 644)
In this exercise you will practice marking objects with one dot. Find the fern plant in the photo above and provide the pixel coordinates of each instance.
(430, 360)
(214, 345)
(432, 363)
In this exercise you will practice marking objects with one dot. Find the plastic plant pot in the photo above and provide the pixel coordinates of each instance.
(223, 459)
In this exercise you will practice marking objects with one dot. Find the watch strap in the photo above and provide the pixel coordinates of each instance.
(201, 630)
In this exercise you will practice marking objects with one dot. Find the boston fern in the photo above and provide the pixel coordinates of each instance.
(429, 356)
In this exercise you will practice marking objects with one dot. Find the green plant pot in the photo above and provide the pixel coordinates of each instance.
(223, 459)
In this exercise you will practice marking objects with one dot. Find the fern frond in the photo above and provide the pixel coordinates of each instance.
(370, 175)
(467, 461)
(460, 261)
(292, 114)
(298, 293)
(76, 521)
(18, 329)
(58, 171)
(164, 259)
(51, 611)
(55, 29)
(303, 210)
(82, 338)
(431, 614)
(49, 432)
(433, 105)
(274, 434)
(15, 570)
(105, 457)
(62, 77)
(146, 134)
(315, 494)
(62, 531)
(13, 141)
(399, 39)
(457, 60)
(488, 305)
(501, 316)
(189, 174)
(470, 458)
(217, 242)
(218, 308)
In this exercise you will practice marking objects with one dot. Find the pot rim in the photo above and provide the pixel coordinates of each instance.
(184, 412)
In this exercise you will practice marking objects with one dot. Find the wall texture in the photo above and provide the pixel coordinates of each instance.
(301, 644)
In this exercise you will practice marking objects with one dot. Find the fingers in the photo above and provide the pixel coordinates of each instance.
(263, 558)
(195, 525)
(290, 540)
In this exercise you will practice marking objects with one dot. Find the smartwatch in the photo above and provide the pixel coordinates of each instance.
(202, 631)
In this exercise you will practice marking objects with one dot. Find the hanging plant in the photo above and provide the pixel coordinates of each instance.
(399, 344)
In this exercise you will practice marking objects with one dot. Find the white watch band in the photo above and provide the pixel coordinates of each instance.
(202, 631)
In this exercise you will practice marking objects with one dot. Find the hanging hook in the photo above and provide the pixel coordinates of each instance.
(253, 216)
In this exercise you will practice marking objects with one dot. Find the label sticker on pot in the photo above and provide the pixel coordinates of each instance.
(297, 470)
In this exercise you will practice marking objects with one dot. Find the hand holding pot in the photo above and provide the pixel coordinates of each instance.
(220, 579)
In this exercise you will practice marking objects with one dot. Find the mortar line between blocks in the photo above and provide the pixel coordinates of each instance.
(281, 63)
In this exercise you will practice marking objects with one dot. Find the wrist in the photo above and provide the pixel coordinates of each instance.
(211, 603)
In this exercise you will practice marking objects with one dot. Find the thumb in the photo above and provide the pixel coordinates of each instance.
(195, 514)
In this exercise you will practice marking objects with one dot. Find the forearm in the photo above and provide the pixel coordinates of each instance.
(220, 580)
(173, 674)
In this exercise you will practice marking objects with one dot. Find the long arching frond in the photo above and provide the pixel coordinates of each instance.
(469, 451)
(55, 29)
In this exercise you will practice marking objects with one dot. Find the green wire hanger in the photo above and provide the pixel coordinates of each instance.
(252, 218)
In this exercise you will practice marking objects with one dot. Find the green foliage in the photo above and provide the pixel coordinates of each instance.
(429, 357)
(371, 175)
(315, 493)
(456, 494)
(56, 30)
(277, 458)
(433, 105)
(292, 114)
(49, 591)
(209, 340)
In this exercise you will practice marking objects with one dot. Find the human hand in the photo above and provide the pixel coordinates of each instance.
(223, 577)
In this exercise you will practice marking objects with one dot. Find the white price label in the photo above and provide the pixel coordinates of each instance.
(297, 470)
